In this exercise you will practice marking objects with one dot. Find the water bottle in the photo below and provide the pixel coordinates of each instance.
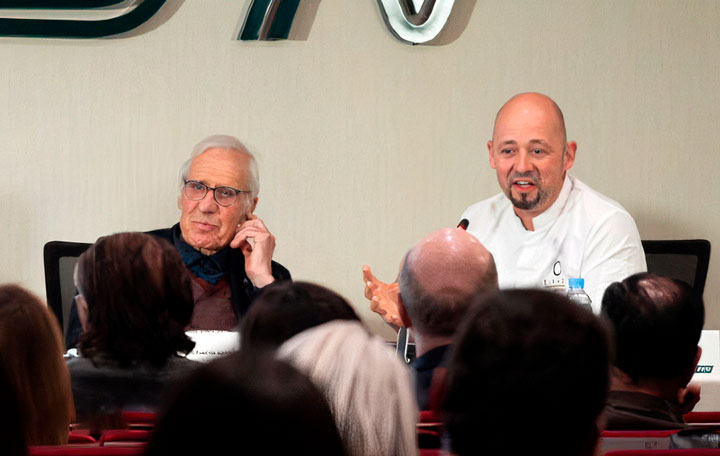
(577, 294)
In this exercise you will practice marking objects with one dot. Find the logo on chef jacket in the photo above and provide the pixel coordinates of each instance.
(557, 268)
(555, 281)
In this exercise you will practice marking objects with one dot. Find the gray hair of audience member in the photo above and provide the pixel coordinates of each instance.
(368, 387)
(224, 142)
(440, 277)
(657, 322)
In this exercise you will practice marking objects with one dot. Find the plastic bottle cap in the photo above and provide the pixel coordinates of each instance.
(576, 283)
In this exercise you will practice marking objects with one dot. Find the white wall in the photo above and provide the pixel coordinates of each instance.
(365, 143)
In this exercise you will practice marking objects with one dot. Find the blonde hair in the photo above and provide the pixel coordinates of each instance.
(31, 353)
(368, 388)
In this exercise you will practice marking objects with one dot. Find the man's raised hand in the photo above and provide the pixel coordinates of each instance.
(383, 297)
(258, 245)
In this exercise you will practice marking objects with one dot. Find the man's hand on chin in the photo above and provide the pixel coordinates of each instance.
(258, 245)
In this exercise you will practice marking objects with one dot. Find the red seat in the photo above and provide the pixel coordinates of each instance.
(67, 450)
(125, 437)
(431, 452)
(702, 418)
(76, 438)
(693, 452)
(140, 420)
(635, 440)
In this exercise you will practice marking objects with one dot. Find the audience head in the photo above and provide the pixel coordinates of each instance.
(531, 354)
(135, 299)
(31, 356)
(367, 386)
(210, 217)
(287, 308)
(440, 277)
(657, 322)
(247, 403)
(12, 430)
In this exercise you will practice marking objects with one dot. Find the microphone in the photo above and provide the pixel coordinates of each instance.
(464, 223)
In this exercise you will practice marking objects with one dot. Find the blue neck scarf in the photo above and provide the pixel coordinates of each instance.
(211, 268)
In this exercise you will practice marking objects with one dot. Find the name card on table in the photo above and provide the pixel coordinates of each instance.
(709, 366)
(211, 345)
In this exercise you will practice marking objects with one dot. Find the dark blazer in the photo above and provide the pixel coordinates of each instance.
(243, 292)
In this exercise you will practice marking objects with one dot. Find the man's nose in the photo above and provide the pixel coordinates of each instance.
(523, 163)
(208, 203)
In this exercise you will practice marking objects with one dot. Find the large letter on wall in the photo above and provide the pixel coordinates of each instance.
(137, 13)
(407, 31)
(269, 20)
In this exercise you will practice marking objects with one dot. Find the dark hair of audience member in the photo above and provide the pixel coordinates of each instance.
(288, 308)
(31, 357)
(247, 403)
(139, 299)
(12, 431)
(528, 364)
(657, 322)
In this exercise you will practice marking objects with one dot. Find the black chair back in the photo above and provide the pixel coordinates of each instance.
(60, 258)
(686, 260)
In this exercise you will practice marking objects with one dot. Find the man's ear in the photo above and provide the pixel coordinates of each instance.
(689, 374)
(569, 157)
(492, 157)
(698, 354)
(253, 205)
(402, 312)
(180, 205)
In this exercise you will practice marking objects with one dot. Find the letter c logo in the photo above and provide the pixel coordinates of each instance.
(557, 268)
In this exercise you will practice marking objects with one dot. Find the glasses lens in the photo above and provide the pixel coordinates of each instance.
(225, 196)
(195, 190)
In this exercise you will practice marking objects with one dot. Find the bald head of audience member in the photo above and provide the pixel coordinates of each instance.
(657, 321)
(439, 279)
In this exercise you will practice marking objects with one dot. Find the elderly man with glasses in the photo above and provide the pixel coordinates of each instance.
(226, 248)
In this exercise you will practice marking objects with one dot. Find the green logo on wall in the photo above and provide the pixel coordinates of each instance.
(63, 28)
(703, 369)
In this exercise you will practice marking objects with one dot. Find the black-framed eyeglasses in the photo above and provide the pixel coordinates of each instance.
(224, 196)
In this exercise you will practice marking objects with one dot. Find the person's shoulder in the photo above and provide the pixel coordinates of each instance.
(593, 198)
(84, 367)
(487, 207)
(163, 233)
(77, 363)
(180, 364)
(595, 204)
(279, 271)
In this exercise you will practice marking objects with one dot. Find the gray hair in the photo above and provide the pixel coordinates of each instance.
(350, 366)
(224, 142)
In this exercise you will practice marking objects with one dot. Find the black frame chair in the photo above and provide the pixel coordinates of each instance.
(673, 250)
(59, 297)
